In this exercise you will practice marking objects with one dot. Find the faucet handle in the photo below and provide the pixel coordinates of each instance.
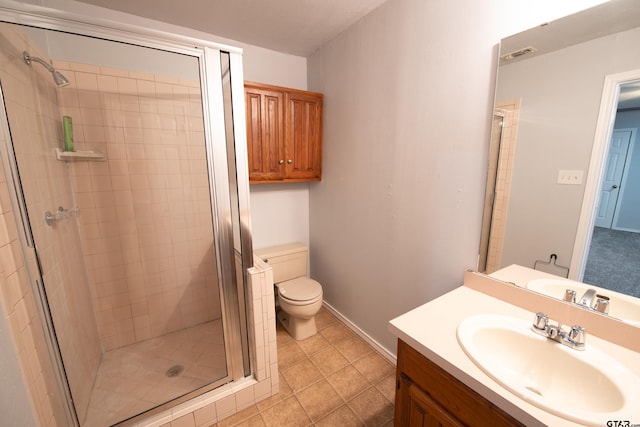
(540, 321)
(602, 304)
(577, 336)
(570, 295)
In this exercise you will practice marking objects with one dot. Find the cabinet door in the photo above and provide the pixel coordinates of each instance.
(428, 395)
(303, 139)
(265, 138)
(420, 410)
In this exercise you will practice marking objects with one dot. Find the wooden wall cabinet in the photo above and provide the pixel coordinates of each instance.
(427, 395)
(284, 134)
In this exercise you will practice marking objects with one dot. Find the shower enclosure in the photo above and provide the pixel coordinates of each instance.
(504, 131)
(134, 240)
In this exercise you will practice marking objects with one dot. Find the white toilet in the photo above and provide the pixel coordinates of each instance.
(299, 297)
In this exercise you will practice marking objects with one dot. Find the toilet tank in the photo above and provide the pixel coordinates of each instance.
(287, 261)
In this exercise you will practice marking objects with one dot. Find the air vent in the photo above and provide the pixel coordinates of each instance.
(518, 53)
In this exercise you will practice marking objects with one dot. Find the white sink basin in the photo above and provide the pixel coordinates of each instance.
(621, 306)
(589, 387)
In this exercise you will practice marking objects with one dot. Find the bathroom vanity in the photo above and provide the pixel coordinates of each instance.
(439, 383)
(428, 395)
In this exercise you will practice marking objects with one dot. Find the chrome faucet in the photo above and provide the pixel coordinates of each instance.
(569, 295)
(591, 299)
(602, 304)
(587, 298)
(575, 337)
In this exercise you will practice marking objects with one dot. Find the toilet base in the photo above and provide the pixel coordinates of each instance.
(297, 327)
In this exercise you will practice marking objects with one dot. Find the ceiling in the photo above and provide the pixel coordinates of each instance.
(297, 27)
(300, 27)
(600, 21)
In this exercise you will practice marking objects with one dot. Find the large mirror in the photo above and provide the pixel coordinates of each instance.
(563, 191)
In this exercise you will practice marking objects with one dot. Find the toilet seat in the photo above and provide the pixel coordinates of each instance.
(300, 291)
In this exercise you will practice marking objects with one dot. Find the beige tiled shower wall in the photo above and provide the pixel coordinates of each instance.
(19, 308)
(145, 213)
(30, 99)
(510, 112)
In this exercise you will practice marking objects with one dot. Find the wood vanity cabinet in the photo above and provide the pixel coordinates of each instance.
(427, 395)
(284, 133)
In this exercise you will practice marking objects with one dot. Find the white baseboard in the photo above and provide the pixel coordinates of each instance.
(362, 334)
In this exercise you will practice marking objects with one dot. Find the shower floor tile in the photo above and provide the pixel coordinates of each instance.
(134, 379)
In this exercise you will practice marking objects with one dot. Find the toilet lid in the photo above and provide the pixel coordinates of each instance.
(300, 289)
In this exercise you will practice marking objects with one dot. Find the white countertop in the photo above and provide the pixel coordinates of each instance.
(520, 275)
(431, 330)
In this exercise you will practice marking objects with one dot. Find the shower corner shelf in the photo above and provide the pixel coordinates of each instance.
(90, 156)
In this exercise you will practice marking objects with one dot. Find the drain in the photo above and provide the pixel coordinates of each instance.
(174, 371)
(534, 390)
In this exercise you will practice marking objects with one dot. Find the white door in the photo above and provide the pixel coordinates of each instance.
(612, 178)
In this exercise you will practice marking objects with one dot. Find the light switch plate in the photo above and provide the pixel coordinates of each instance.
(570, 177)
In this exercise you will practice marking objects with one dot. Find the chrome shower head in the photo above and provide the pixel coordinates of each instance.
(58, 78)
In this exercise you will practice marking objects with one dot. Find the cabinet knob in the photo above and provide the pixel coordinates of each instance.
(281, 162)
(289, 161)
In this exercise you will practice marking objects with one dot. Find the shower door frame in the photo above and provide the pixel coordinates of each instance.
(231, 288)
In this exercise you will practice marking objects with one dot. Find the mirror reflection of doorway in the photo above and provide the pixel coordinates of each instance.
(614, 250)
(612, 190)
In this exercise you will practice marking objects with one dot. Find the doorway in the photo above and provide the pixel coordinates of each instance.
(615, 242)
(606, 254)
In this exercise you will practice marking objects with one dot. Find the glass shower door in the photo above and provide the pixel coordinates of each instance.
(123, 227)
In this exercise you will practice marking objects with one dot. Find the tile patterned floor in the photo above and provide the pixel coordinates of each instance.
(134, 379)
(331, 379)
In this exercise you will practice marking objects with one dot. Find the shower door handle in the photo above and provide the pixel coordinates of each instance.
(614, 187)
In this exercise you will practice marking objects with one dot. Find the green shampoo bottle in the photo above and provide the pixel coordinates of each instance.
(67, 130)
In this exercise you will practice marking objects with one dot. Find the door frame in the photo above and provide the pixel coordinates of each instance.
(625, 176)
(599, 152)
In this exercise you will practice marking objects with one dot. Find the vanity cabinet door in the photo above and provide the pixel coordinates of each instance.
(427, 395)
(420, 409)
(265, 133)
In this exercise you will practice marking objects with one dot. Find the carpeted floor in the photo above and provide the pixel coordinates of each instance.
(614, 261)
